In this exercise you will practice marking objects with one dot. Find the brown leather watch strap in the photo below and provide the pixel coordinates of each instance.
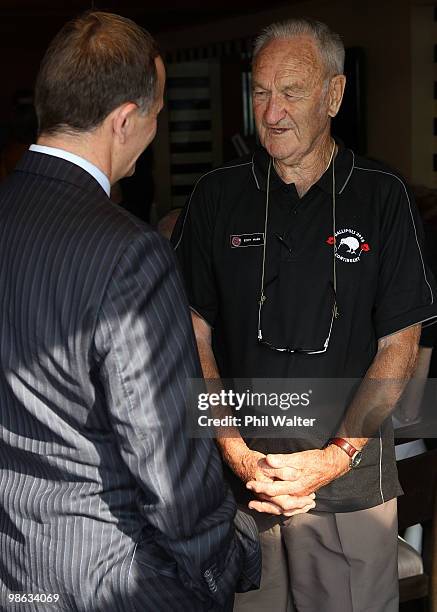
(344, 445)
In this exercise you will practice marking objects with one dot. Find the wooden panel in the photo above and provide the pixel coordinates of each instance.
(418, 478)
(199, 136)
(194, 127)
(190, 114)
(414, 587)
(183, 158)
(424, 106)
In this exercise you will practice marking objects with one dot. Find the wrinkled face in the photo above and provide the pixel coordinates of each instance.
(146, 123)
(290, 98)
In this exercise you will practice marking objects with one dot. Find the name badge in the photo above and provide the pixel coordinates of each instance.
(246, 240)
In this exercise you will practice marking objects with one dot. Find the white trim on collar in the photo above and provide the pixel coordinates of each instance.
(86, 165)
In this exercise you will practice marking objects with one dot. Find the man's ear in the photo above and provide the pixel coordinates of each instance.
(336, 91)
(122, 120)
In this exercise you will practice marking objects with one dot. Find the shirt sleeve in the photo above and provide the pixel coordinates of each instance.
(406, 291)
(192, 240)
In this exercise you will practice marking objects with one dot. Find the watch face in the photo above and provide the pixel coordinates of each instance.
(356, 459)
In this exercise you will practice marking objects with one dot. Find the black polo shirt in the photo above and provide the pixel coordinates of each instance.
(383, 284)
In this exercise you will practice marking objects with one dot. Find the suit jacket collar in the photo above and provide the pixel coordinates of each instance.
(60, 170)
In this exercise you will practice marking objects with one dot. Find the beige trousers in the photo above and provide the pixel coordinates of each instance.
(323, 562)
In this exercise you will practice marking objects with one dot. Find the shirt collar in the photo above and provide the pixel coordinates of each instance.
(95, 172)
(343, 167)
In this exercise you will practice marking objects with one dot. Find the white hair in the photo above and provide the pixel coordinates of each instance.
(328, 42)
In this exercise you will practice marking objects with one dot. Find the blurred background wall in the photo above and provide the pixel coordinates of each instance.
(392, 105)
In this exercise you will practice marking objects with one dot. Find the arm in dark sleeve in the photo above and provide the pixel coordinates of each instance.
(146, 347)
(406, 292)
(428, 337)
(192, 241)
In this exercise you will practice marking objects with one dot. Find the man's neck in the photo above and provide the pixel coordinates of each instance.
(84, 146)
(309, 169)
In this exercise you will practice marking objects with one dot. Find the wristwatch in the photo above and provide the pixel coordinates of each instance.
(354, 454)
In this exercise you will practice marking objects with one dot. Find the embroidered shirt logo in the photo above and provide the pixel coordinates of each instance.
(348, 245)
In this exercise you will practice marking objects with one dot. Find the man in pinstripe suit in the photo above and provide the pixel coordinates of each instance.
(105, 504)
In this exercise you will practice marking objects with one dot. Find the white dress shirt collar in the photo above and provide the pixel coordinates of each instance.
(95, 172)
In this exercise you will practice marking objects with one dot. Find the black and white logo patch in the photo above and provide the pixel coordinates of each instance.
(349, 245)
(246, 240)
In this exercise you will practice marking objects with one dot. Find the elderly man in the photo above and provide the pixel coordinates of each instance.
(303, 260)
(105, 504)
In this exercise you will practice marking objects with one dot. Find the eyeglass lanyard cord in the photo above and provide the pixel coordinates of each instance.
(334, 229)
(263, 298)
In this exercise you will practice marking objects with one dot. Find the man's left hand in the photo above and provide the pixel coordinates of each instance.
(316, 468)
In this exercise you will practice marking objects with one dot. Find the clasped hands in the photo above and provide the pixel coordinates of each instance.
(286, 483)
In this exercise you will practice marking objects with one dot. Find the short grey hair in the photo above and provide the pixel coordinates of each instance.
(329, 43)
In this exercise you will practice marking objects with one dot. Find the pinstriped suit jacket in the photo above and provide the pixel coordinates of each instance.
(102, 498)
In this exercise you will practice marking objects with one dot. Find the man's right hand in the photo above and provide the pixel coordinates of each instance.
(247, 464)
(250, 466)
